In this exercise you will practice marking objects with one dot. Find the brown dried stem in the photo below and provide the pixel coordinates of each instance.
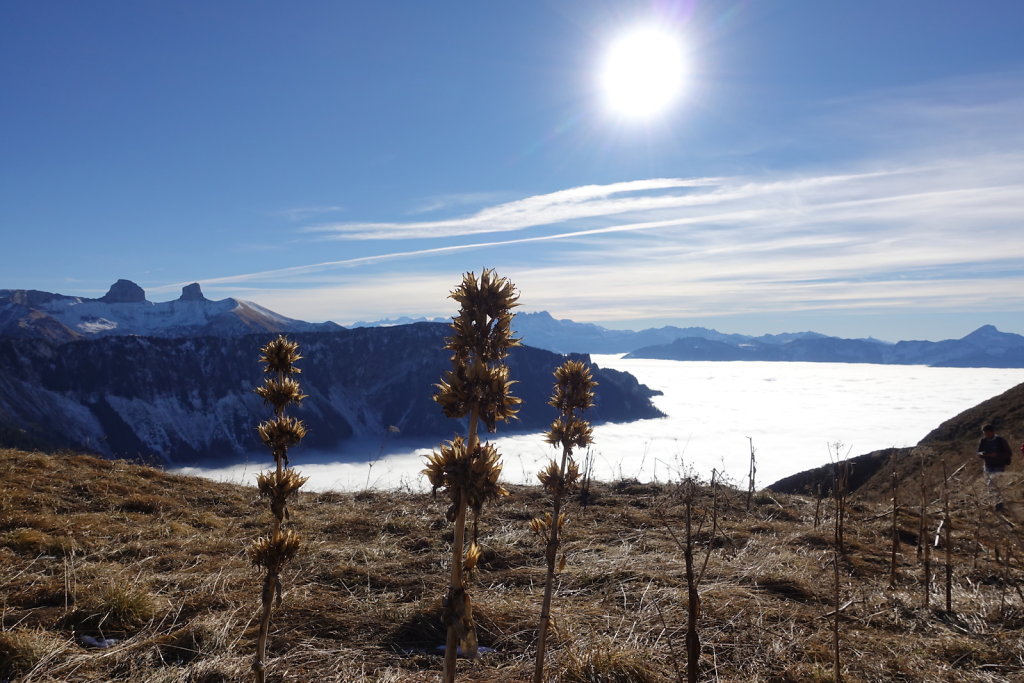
(478, 385)
(573, 393)
(279, 434)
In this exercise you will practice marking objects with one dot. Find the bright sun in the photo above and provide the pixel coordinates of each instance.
(643, 73)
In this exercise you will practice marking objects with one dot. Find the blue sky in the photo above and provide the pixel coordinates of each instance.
(852, 168)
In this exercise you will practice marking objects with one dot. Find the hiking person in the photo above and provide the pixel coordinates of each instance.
(995, 453)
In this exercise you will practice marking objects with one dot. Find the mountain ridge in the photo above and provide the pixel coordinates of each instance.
(985, 347)
(124, 310)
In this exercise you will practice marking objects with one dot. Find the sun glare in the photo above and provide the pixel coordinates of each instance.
(643, 72)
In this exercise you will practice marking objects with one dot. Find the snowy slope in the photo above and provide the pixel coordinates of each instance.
(124, 310)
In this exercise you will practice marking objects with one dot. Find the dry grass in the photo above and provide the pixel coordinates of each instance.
(97, 548)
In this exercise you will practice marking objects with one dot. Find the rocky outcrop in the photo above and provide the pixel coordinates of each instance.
(192, 292)
(124, 292)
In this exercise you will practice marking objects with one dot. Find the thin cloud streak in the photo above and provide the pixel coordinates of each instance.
(932, 224)
(839, 225)
(588, 201)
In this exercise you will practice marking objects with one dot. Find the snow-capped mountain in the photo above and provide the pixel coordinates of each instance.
(124, 310)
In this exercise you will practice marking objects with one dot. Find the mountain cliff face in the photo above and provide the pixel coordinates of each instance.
(190, 400)
(124, 310)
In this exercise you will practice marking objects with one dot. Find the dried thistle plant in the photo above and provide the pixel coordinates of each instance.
(477, 386)
(279, 433)
(573, 393)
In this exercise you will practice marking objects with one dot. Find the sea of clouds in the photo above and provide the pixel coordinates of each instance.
(796, 416)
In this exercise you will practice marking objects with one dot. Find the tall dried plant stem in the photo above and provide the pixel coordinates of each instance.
(817, 504)
(837, 663)
(839, 490)
(895, 525)
(693, 578)
(550, 555)
(947, 524)
(924, 544)
(273, 551)
(267, 598)
(477, 386)
(752, 474)
(457, 580)
(692, 598)
(841, 480)
(573, 393)
(451, 649)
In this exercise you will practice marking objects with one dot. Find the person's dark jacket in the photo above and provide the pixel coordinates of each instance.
(995, 452)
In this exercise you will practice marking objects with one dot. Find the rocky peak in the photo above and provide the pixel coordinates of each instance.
(124, 292)
(192, 292)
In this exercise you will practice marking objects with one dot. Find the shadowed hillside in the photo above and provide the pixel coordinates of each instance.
(152, 565)
(190, 401)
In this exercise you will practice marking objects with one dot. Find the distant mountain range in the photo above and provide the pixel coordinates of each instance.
(124, 311)
(173, 382)
(566, 336)
(985, 347)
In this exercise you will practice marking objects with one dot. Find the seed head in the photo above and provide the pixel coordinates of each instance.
(280, 356)
(488, 388)
(483, 326)
(281, 433)
(574, 387)
(272, 552)
(279, 487)
(540, 525)
(571, 433)
(279, 392)
(554, 483)
(471, 476)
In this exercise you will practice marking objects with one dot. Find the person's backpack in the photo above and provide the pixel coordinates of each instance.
(1005, 455)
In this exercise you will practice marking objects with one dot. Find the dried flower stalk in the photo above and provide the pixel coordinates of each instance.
(573, 393)
(478, 385)
(279, 433)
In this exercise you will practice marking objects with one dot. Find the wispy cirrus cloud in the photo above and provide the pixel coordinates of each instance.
(927, 219)
(576, 203)
(853, 223)
(457, 200)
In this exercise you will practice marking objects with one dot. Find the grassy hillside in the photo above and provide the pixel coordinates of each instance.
(98, 548)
